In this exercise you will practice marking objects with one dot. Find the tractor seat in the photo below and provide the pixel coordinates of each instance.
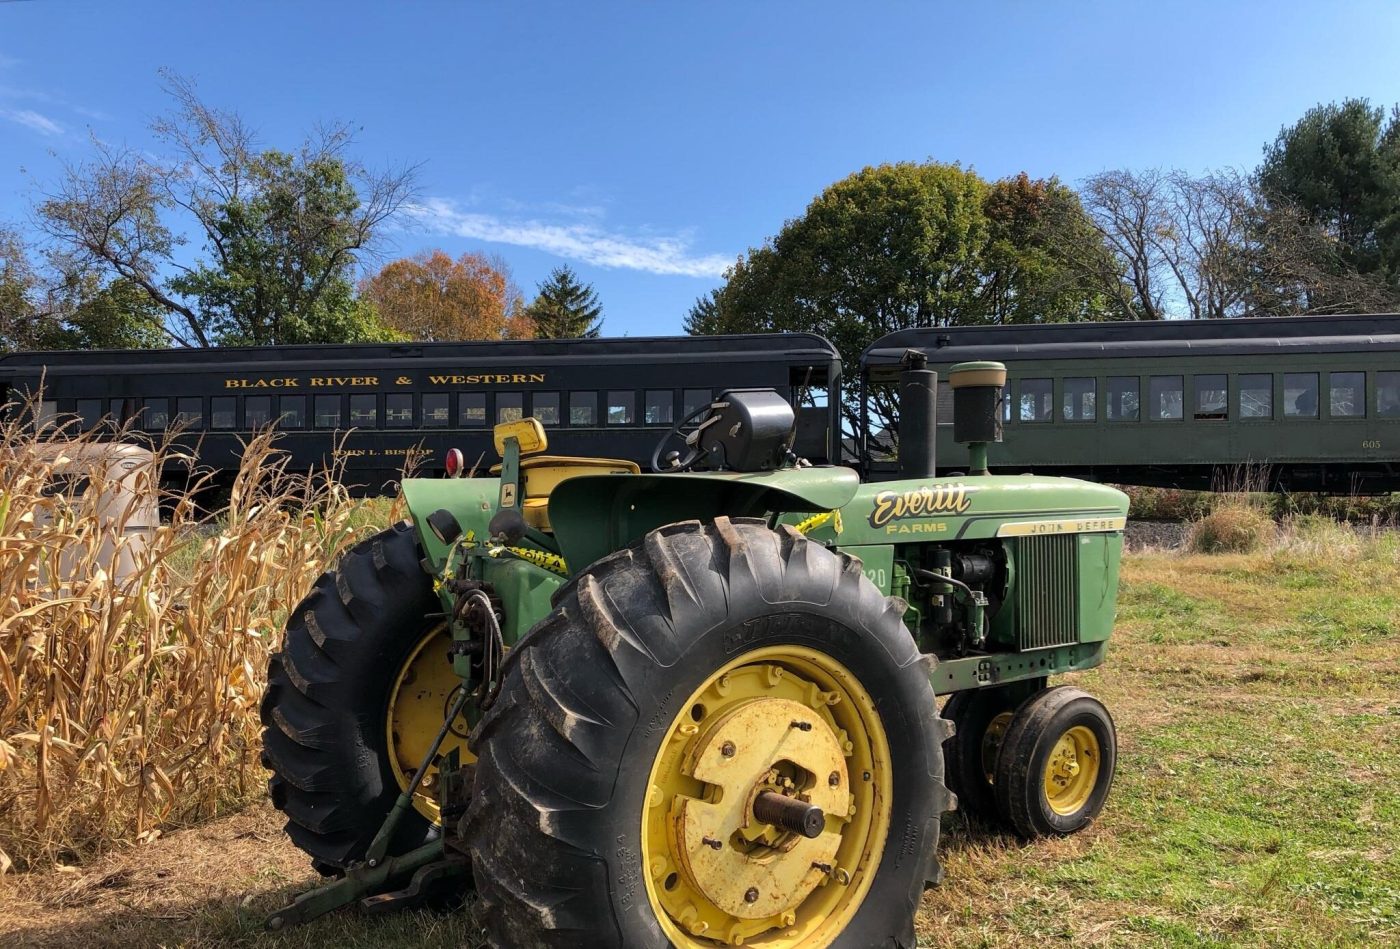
(541, 474)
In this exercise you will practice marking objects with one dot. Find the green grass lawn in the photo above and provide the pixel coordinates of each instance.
(1257, 800)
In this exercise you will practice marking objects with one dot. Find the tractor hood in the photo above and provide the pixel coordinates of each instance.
(593, 515)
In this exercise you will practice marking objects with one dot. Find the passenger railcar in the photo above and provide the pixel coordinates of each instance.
(377, 405)
(1306, 403)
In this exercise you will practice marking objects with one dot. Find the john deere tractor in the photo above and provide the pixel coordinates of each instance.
(698, 707)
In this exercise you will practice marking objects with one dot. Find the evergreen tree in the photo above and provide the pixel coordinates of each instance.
(566, 308)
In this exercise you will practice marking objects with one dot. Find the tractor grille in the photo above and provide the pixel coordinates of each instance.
(1047, 591)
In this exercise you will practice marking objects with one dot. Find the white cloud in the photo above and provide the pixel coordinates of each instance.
(28, 117)
(578, 240)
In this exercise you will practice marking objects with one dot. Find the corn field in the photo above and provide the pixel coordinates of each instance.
(131, 706)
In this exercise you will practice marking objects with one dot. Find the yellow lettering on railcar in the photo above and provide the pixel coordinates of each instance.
(487, 379)
(342, 382)
(285, 382)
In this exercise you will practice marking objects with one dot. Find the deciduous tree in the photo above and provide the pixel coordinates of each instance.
(280, 231)
(433, 297)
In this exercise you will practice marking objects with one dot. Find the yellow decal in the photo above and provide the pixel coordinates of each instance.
(1077, 525)
(920, 502)
(500, 378)
(283, 383)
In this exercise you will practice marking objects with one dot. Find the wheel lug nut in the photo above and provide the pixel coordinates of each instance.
(751, 895)
(711, 843)
(834, 780)
(728, 749)
(802, 726)
(823, 867)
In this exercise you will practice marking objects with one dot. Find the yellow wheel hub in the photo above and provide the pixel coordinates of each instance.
(991, 743)
(783, 720)
(424, 691)
(1072, 770)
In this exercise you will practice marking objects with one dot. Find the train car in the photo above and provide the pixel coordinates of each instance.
(1306, 403)
(379, 405)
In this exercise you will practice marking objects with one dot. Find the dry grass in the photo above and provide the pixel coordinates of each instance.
(1234, 528)
(130, 708)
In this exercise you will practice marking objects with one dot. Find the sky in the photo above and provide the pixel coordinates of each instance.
(647, 145)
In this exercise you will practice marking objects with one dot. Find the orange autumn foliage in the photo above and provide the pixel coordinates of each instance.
(430, 296)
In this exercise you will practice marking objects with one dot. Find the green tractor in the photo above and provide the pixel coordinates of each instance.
(698, 708)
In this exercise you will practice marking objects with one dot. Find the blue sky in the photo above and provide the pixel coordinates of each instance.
(648, 144)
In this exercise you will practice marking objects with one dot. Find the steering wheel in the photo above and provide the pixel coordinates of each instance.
(691, 440)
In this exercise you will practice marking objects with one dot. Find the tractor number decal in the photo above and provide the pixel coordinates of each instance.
(920, 502)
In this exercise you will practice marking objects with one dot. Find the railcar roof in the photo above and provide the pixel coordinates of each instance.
(1154, 339)
(796, 346)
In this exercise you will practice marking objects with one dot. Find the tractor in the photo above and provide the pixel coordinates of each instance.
(698, 706)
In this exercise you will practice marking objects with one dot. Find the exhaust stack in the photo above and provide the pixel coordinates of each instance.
(977, 388)
(918, 416)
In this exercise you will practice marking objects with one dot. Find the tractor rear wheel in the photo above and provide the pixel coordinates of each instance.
(723, 734)
(355, 698)
(1056, 763)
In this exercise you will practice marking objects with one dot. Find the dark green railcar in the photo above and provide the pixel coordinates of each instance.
(1297, 403)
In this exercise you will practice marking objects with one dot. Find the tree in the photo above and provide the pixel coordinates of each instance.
(59, 306)
(566, 308)
(281, 232)
(433, 297)
(907, 245)
(1184, 245)
(1338, 169)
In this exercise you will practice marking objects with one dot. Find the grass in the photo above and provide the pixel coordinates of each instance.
(1257, 801)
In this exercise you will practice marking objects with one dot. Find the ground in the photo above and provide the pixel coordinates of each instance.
(1257, 802)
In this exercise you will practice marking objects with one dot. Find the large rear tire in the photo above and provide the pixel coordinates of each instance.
(326, 713)
(676, 680)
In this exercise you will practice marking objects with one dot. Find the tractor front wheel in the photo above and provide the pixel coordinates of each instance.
(723, 735)
(1056, 763)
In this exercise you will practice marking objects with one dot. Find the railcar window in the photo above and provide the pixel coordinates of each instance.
(155, 414)
(364, 410)
(437, 409)
(48, 415)
(291, 411)
(90, 411)
(1300, 395)
(1006, 402)
(583, 408)
(117, 409)
(1123, 398)
(660, 405)
(1388, 394)
(223, 412)
(1348, 394)
(944, 407)
(257, 411)
(471, 410)
(1211, 398)
(545, 407)
(692, 399)
(1257, 395)
(1078, 399)
(1037, 400)
(189, 412)
(327, 411)
(398, 410)
(510, 407)
(622, 407)
(1164, 399)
